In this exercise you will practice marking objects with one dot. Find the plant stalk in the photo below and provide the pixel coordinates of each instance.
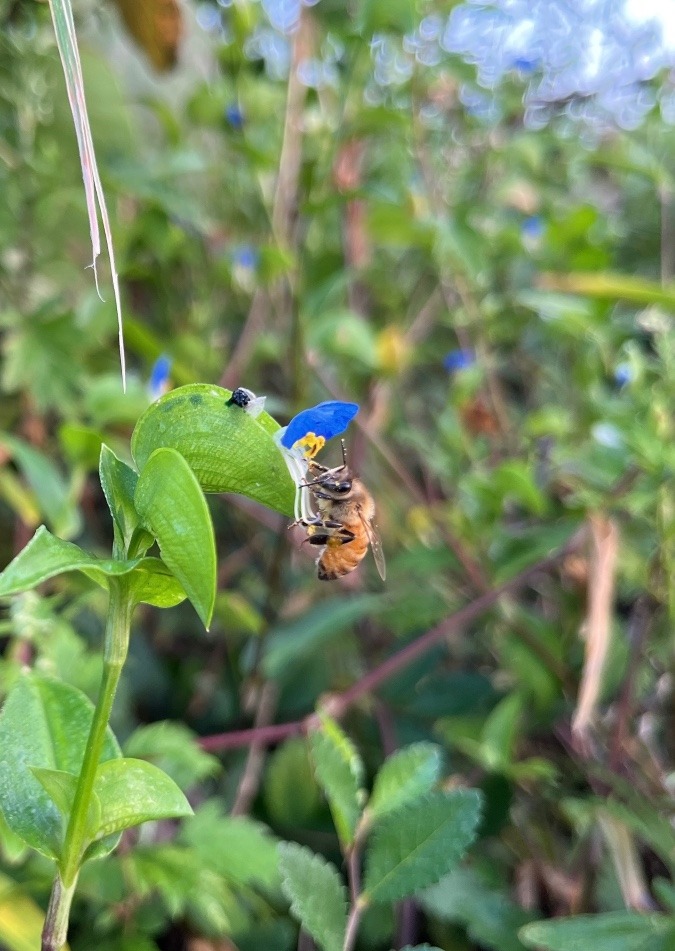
(115, 652)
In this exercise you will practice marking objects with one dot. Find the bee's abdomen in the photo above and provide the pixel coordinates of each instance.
(336, 561)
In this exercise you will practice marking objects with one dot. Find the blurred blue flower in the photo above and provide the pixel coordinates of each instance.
(458, 360)
(606, 434)
(159, 382)
(532, 227)
(525, 65)
(246, 256)
(623, 374)
(234, 116)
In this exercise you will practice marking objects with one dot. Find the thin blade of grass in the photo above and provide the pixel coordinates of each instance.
(602, 566)
(66, 40)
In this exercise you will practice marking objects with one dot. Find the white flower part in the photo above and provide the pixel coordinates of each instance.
(297, 465)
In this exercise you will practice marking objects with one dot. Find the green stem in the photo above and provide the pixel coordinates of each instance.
(55, 928)
(116, 644)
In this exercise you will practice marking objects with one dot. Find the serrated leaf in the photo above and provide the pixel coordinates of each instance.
(226, 448)
(415, 846)
(404, 776)
(339, 771)
(172, 506)
(21, 920)
(44, 723)
(131, 791)
(239, 849)
(615, 931)
(317, 894)
(174, 749)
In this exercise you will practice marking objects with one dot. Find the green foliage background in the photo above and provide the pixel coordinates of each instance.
(394, 233)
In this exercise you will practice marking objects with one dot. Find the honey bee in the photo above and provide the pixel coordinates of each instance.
(345, 525)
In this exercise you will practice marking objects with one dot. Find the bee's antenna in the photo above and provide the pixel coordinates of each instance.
(344, 453)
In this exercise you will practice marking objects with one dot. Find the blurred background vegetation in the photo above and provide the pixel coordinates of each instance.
(461, 216)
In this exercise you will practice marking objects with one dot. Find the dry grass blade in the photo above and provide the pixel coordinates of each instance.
(604, 547)
(66, 41)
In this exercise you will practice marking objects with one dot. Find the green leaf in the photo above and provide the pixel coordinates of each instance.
(61, 787)
(21, 920)
(132, 791)
(45, 556)
(118, 481)
(226, 448)
(48, 484)
(415, 846)
(291, 793)
(239, 849)
(44, 723)
(174, 749)
(286, 645)
(317, 894)
(615, 931)
(421, 947)
(339, 771)
(172, 506)
(404, 776)
(491, 919)
(152, 582)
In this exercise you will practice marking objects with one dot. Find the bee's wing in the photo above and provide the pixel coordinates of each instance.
(376, 545)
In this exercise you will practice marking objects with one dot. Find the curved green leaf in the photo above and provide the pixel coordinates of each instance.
(118, 481)
(615, 931)
(131, 791)
(152, 582)
(44, 723)
(226, 448)
(172, 506)
(60, 787)
(415, 846)
(317, 894)
(404, 776)
(45, 556)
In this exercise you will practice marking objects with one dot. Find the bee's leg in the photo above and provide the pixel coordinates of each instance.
(318, 539)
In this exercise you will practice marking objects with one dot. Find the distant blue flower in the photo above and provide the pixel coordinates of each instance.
(532, 227)
(606, 434)
(323, 421)
(159, 383)
(234, 116)
(246, 256)
(623, 374)
(458, 360)
(525, 65)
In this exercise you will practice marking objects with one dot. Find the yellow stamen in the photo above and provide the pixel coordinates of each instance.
(314, 444)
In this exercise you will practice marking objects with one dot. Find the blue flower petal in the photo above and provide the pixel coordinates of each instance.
(159, 376)
(458, 360)
(327, 419)
(623, 374)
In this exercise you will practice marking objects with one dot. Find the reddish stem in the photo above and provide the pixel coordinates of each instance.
(337, 705)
